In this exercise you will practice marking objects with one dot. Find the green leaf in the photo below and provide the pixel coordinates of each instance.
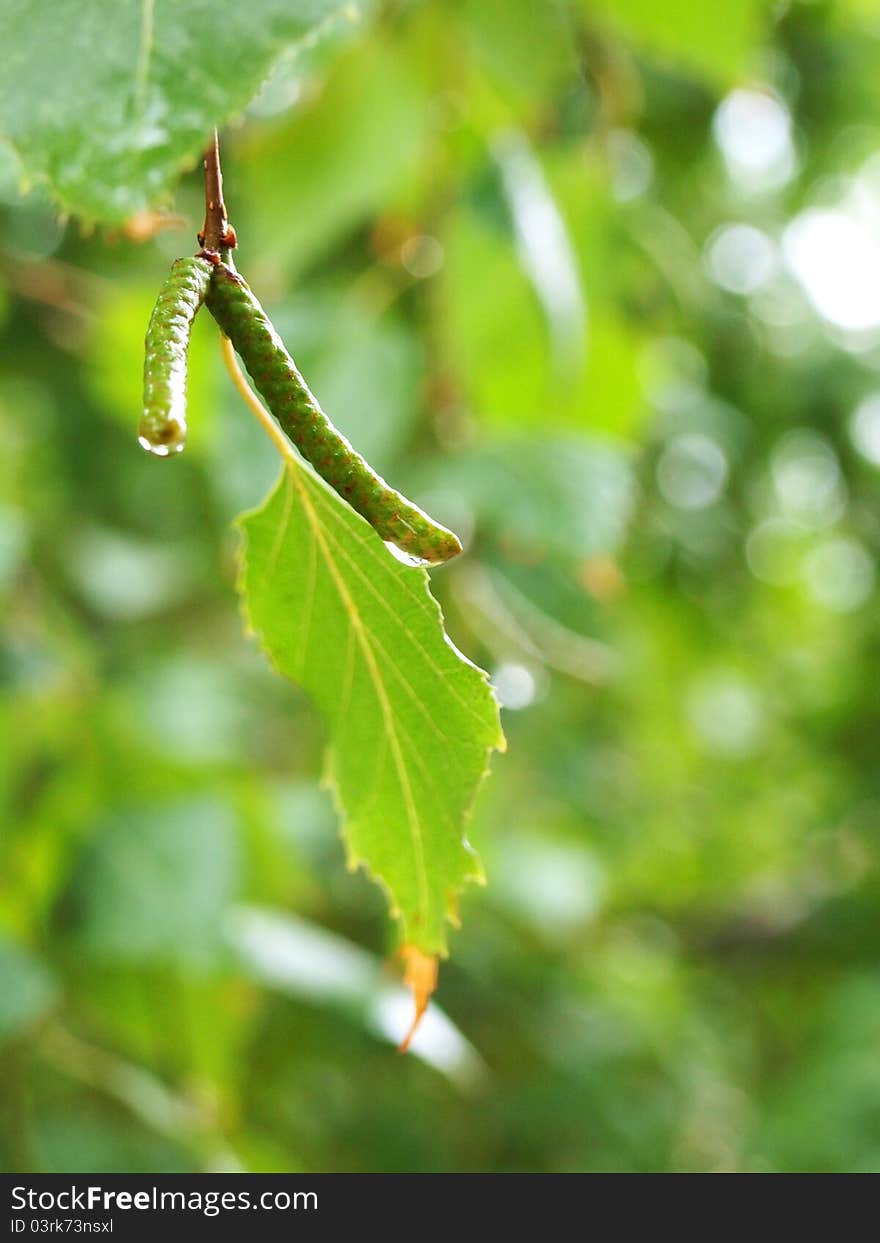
(109, 99)
(411, 721)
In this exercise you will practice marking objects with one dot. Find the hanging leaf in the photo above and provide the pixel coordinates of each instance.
(411, 721)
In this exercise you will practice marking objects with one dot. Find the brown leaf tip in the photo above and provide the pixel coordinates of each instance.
(420, 975)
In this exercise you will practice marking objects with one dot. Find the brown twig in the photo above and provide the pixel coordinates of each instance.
(217, 234)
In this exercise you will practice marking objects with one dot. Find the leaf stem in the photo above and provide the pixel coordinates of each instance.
(270, 427)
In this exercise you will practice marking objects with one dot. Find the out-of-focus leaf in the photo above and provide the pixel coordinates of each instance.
(26, 989)
(337, 162)
(582, 370)
(544, 249)
(488, 301)
(536, 50)
(108, 99)
(555, 886)
(125, 578)
(717, 40)
(565, 497)
(411, 722)
(192, 709)
(154, 885)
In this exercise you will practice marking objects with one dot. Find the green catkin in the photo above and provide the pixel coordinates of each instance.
(287, 395)
(163, 423)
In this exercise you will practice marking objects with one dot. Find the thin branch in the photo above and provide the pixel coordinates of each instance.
(217, 234)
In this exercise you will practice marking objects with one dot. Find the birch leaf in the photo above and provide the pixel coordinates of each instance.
(105, 101)
(411, 721)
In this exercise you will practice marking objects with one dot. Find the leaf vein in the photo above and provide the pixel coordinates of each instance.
(383, 603)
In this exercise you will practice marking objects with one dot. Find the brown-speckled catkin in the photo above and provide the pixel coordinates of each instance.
(287, 395)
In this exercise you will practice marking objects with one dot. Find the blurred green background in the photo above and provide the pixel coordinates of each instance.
(599, 283)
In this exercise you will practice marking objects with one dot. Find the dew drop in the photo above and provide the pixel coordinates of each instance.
(164, 437)
(406, 558)
(161, 448)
